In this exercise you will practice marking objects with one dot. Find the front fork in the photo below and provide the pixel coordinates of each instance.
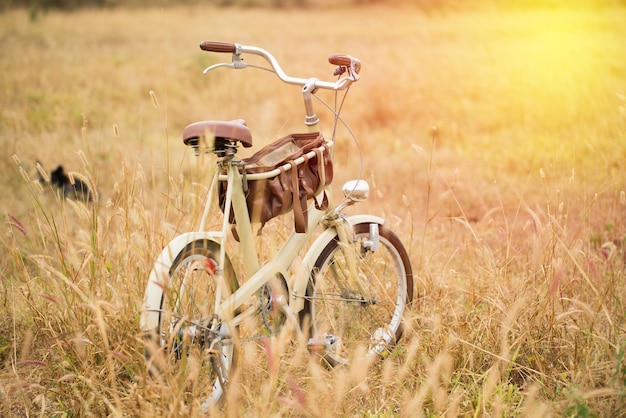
(347, 241)
(355, 191)
(352, 289)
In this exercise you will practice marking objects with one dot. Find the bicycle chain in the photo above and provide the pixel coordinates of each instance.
(265, 308)
(255, 338)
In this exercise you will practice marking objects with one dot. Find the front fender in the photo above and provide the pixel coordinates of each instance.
(296, 299)
(159, 277)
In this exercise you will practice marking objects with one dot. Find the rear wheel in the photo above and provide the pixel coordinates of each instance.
(189, 336)
(343, 312)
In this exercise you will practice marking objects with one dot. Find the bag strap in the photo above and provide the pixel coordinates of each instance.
(282, 181)
(299, 202)
(322, 174)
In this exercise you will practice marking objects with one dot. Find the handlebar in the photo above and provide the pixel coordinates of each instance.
(345, 63)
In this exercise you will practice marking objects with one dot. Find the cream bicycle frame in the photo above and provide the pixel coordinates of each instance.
(281, 263)
(257, 276)
(332, 221)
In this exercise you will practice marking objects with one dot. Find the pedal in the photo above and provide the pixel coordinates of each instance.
(327, 343)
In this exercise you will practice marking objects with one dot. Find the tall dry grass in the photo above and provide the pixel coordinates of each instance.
(512, 207)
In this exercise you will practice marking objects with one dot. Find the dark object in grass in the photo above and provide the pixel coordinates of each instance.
(78, 190)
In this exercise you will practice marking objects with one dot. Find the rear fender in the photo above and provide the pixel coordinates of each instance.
(159, 277)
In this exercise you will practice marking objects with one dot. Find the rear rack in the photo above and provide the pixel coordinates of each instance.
(285, 167)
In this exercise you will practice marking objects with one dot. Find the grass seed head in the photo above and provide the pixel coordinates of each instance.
(155, 101)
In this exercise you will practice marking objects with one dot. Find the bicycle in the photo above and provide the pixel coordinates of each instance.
(354, 282)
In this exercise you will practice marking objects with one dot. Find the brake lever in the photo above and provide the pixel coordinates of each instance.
(236, 64)
(352, 74)
(339, 70)
(238, 61)
(222, 64)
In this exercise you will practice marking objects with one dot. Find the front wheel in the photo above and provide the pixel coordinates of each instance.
(357, 294)
(190, 340)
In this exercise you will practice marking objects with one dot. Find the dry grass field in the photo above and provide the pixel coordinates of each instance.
(494, 139)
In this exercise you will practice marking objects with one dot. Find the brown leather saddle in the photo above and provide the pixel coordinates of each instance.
(235, 130)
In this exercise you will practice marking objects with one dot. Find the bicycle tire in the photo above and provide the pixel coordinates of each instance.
(186, 326)
(340, 316)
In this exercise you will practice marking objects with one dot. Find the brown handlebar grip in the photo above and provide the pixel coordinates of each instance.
(345, 60)
(215, 46)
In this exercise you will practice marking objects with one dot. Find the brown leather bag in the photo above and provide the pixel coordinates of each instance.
(291, 189)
